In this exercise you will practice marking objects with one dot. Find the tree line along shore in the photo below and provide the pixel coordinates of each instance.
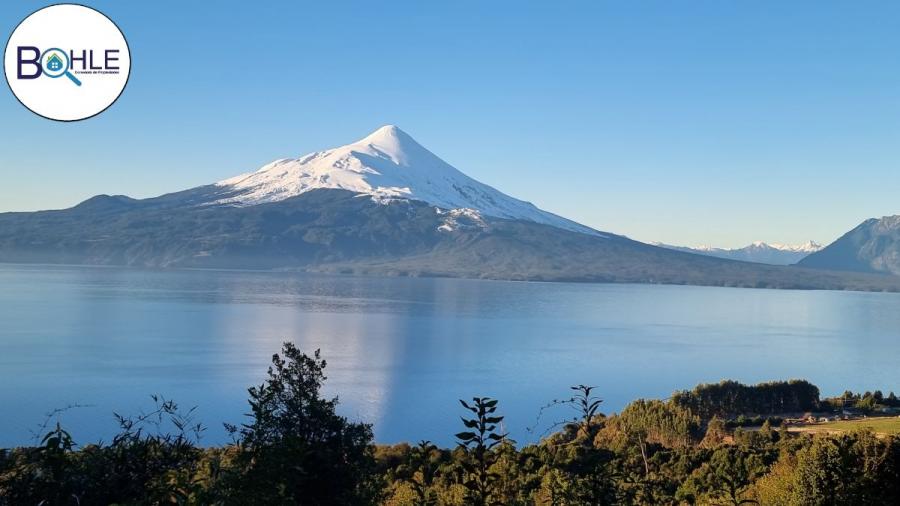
(775, 443)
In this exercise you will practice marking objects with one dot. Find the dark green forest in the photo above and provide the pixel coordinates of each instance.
(717, 444)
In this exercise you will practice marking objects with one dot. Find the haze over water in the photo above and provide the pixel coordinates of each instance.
(401, 351)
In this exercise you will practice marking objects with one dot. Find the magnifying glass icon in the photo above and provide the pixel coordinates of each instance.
(55, 63)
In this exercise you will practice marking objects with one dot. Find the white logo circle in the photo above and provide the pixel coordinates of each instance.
(67, 62)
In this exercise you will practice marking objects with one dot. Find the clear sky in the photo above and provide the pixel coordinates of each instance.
(690, 122)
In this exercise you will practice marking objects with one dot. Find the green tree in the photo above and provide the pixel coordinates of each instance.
(715, 432)
(479, 441)
(651, 421)
(296, 449)
(420, 472)
(725, 478)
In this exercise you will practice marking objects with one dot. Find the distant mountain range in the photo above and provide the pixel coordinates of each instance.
(873, 246)
(383, 205)
(759, 252)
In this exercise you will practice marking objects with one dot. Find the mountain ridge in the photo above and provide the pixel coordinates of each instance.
(758, 251)
(873, 246)
(335, 231)
(280, 220)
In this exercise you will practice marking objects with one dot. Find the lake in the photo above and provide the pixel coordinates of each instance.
(401, 351)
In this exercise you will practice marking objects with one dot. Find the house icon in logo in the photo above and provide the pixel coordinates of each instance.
(54, 63)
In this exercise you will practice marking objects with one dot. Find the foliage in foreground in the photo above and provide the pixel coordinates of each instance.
(295, 449)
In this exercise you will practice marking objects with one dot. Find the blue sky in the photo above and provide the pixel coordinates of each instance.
(685, 122)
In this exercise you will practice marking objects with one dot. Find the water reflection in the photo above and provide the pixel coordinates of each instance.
(401, 351)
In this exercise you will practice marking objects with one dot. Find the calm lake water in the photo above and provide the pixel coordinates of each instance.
(401, 352)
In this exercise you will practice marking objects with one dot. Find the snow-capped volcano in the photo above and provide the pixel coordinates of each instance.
(382, 206)
(386, 165)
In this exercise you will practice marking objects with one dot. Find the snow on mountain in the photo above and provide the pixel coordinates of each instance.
(760, 252)
(456, 219)
(386, 165)
(807, 247)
